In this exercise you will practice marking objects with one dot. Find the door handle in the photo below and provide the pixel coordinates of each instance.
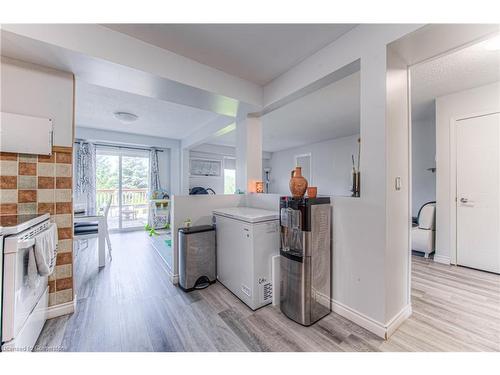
(463, 200)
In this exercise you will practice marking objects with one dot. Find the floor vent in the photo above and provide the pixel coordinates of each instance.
(268, 291)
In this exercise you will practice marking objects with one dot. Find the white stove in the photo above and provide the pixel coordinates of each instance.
(24, 307)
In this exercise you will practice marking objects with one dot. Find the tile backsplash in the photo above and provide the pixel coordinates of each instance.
(43, 184)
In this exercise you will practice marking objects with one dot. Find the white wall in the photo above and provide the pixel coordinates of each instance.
(214, 182)
(397, 199)
(423, 157)
(262, 201)
(248, 153)
(34, 90)
(209, 148)
(361, 244)
(330, 161)
(212, 152)
(216, 152)
(463, 104)
(168, 164)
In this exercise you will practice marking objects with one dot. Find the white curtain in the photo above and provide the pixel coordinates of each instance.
(154, 171)
(85, 176)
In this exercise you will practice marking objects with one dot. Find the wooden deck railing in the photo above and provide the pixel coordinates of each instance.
(135, 198)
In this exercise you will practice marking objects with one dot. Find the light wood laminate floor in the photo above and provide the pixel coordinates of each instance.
(130, 305)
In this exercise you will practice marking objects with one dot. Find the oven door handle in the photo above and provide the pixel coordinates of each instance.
(24, 244)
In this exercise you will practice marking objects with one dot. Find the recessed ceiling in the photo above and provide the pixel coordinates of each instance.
(331, 112)
(465, 69)
(96, 105)
(255, 52)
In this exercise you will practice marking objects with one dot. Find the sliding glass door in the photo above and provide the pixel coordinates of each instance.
(134, 188)
(123, 176)
(108, 183)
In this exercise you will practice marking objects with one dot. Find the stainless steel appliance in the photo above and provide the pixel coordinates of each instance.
(196, 257)
(25, 302)
(305, 262)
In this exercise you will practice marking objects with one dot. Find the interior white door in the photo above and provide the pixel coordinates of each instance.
(478, 192)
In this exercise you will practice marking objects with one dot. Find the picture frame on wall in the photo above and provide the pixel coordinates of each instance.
(205, 167)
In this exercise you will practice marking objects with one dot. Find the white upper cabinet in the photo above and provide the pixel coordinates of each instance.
(36, 91)
(25, 134)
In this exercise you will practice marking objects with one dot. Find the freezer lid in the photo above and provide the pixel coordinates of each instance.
(247, 214)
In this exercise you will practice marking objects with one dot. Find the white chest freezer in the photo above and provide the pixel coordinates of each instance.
(247, 239)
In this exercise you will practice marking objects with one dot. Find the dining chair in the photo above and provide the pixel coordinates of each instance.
(423, 234)
(86, 230)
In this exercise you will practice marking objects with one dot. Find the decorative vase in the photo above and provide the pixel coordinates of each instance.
(312, 191)
(298, 184)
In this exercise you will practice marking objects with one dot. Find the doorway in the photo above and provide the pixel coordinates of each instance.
(122, 175)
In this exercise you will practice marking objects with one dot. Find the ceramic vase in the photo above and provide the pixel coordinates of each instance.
(298, 184)
(312, 191)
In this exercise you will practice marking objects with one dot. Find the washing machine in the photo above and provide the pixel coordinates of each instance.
(247, 239)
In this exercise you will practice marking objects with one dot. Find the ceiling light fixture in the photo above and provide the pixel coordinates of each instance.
(492, 44)
(125, 117)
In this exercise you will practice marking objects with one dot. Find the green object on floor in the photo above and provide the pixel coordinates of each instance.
(151, 231)
(169, 243)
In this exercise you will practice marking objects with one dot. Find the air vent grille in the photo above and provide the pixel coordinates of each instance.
(268, 291)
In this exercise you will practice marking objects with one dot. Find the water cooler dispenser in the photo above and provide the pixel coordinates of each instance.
(305, 262)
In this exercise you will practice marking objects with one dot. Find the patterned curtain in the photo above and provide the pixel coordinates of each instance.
(85, 176)
(155, 172)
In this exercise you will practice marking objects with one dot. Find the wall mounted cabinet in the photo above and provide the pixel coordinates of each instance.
(25, 134)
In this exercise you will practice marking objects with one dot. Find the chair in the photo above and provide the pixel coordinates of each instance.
(198, 190)
(424, 233)
(86, 230)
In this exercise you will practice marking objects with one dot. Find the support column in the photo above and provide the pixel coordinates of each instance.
(184, 173)
(248, 153)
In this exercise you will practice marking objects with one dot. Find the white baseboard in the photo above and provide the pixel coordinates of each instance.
(61, 309)
(379, 329)
(441, 259)
(395, 322)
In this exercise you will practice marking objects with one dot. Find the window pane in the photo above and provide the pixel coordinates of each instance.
(229, 181)
(135, 183)
(107, 166)
(134, 186)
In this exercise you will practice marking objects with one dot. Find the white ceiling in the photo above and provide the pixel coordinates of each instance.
(465, 69)
(255, 52)
(331, 112)
(95, 106)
